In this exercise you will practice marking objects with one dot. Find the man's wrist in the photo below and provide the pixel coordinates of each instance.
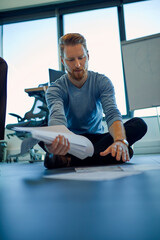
(123, 140)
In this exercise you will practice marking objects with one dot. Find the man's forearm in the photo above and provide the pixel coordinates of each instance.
(117, 131)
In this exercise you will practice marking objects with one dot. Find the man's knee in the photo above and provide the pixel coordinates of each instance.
(135, 128)
(141, 125)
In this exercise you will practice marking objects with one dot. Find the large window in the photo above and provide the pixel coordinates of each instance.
(30, 48)
(100, 28)
(142, 19)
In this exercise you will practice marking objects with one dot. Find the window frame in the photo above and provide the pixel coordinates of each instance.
(58, 11)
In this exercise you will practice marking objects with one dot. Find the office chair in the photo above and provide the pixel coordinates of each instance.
(30, 118)
(33, 118)
(3, 95)
(36, 116)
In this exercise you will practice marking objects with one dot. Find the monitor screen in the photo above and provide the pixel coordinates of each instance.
(54, 75)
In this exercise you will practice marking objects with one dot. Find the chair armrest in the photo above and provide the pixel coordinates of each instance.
(19, 118)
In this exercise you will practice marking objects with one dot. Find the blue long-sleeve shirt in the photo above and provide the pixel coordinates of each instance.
(81, 109)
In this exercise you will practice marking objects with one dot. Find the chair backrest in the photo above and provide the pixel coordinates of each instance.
(3, 95)
(38, 110)
(54, 75)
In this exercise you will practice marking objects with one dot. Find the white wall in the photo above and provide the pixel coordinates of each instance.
(150, 143)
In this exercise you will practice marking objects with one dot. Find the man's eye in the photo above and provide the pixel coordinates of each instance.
(81, 57)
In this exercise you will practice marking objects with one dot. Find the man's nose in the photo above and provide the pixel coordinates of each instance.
(77, 63)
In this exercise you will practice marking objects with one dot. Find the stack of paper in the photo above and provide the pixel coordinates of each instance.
(80, 146)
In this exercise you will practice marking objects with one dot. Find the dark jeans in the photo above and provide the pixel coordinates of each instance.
(135, 129)
(3, 96)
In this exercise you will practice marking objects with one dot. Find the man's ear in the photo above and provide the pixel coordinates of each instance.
(88, 55)
(62, 61)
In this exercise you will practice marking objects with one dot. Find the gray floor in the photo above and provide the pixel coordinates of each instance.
(33, 207)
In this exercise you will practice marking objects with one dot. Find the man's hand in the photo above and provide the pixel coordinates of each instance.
(118, 150)
(60, 146)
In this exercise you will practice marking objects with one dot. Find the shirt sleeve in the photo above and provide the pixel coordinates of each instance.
(55, 102)
(107, 96)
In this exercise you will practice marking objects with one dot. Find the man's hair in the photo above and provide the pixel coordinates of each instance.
(71, 39)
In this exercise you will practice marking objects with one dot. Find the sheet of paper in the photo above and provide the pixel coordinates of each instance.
(80, 146)
(98, 169)
(93, 176)
(102, 173)
(127, 167)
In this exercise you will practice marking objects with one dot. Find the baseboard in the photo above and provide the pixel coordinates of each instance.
(147, 147)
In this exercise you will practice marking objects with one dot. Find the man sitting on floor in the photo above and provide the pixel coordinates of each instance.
(77, 100)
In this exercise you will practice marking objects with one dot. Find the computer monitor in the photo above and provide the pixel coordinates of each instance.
(54, 75)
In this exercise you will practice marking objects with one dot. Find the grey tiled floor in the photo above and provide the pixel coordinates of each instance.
(35, 208)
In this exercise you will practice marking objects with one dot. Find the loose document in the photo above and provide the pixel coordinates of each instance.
(80, 146)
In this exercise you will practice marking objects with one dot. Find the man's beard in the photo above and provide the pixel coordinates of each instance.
(77, 74)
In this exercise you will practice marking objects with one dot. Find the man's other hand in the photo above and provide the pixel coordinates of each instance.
(118, 150)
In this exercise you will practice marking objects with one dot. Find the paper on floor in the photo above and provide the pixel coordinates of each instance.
(104, 173)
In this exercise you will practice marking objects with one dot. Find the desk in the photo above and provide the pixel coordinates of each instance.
(34, 91)
(38, 89)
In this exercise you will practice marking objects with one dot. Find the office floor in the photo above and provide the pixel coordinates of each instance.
(34, 207)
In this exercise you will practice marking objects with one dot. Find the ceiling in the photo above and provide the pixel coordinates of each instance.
(6, 5)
